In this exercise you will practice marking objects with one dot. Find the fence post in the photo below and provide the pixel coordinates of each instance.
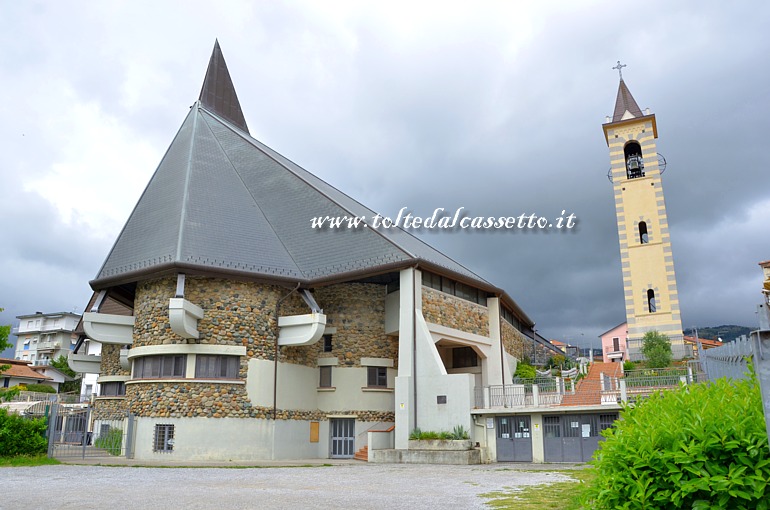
(86, 426)
(52, 429)
(130, 436)
(762, 369)
(535, 395)
(623, 392)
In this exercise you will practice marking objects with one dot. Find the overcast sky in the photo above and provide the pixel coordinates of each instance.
(496, 107)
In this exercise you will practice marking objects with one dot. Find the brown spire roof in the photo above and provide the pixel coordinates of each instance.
(218, 93)
(625, 103)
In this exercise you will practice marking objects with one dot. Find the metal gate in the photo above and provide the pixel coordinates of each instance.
(514, 439)
(73, 432)
(343, 437)
(574, 437)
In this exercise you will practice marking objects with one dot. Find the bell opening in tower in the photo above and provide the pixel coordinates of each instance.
(634, 161)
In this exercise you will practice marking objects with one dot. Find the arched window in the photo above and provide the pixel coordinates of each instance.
(643, 237)
(651, 300)
(634, 162)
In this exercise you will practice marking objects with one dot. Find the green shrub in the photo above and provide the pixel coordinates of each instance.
(40, 388)
(628, 365)
(656, 348)
(7, 394)
(458, 432)
(21, 436)
(525, 371)
(112, 441)
(701, 446)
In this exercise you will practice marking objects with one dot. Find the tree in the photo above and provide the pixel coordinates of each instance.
(4, 344)
(656, 347)
(61, 364)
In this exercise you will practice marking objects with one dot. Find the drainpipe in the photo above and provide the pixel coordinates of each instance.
(275, 352)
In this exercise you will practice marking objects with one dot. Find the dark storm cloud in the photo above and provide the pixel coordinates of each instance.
(496, 109)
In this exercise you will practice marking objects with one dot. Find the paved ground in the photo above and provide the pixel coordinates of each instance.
(346, 484)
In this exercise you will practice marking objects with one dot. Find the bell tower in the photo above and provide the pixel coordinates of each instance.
(649, 281)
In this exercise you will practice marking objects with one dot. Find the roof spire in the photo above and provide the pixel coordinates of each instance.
(625, 104)
(218, 93)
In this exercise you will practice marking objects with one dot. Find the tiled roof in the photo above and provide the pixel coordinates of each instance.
(222, 202)
(21, 369)
(625, 102)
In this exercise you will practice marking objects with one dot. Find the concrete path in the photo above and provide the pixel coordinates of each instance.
(343, 484)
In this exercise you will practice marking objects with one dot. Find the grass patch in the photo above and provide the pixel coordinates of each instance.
(27, 460)
(557, 495)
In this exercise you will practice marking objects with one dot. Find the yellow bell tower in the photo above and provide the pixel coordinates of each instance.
(649, 281)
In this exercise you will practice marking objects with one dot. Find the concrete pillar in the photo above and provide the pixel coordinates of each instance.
(404, 384)
(538, 446)
(497, 368)
(535, 395)
(623, 392)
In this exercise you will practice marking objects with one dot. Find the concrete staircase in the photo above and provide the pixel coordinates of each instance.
(362, 454)
(588, 389)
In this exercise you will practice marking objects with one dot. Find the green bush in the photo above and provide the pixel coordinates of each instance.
(458, 432)
(656, 348)
(7, 394)
(112, 441)
(525, 371)
(21, 436)
(40, 388)
(628, 365)
(701, 446)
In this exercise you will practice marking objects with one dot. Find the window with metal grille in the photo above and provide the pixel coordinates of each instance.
(216, 367)
(651, 300)
(112, 389)
(552, 426)
(164, 438)
(504, 428)
(149, 367)
(377, 377)
(607, 420)
(326, 377)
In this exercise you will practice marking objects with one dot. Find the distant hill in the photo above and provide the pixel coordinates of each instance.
(727, 333)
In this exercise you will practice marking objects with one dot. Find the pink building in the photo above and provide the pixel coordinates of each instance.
(614, 344)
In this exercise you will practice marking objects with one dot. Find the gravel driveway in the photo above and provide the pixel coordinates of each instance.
(359, 485)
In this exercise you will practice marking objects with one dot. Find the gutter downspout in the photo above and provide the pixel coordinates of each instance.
(275, 351)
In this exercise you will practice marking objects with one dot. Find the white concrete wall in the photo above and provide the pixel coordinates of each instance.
(208, 439)
(298, 388)
(458, 389)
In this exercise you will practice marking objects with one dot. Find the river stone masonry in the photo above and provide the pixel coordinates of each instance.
(453, 312)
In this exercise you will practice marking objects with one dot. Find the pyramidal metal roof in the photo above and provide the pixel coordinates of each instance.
(625, 102)
(221, 202)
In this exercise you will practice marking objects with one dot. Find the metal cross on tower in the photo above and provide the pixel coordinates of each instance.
(620, 67)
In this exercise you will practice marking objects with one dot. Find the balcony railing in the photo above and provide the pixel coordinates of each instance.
(557, 392)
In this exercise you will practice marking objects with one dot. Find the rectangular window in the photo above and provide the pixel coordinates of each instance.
(153, 367)
(326, 377)
(616, 344)
(216, 367)
(111, 389)
(164, 438)
(328, 343)
(464, 357)
(377, 377)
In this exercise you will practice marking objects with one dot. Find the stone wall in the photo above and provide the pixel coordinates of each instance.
(111, 360)
(109, 408)
(513, 341)
(243, 314)
(357, 311)
(453, 312)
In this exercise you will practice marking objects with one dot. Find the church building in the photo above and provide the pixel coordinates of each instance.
(232, 330)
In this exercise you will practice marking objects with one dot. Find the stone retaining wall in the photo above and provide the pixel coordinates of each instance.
(454, 312)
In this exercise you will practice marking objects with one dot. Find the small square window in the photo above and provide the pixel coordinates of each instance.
(326, 377)
(164, 438)
(377, 377)
(328, 343)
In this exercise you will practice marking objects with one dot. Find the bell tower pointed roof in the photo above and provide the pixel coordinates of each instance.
(625, 104)
(218, 93)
